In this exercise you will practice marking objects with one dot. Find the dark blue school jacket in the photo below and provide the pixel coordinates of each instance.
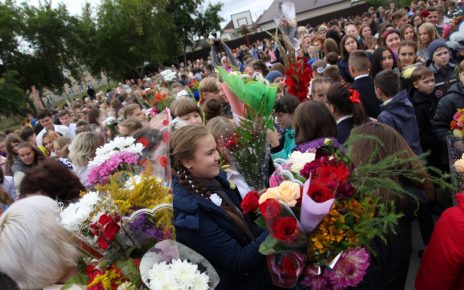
(399, 114)
(205, 228)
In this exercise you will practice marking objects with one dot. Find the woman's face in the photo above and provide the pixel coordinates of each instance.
(407, 56)
(366, 32)
(14, 147)
(57, 149)
(409, 34)
(205, 160)
(192, 118)
(351, 45)
(26, 155)
(417, 21)
(393, 41)
(48, 144)
(387, 60)
(424, 35)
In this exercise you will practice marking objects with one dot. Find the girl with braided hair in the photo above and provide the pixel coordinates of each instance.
(207, 213)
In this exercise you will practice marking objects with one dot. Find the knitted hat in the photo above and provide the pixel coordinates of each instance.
(272, 75)
(434, 45)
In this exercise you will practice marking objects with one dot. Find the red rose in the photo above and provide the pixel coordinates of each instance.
(270, 208)
(320, 192)
(106, 229)
(250, 203)
(285, 229)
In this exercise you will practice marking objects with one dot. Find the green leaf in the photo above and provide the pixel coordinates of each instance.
(79, 279)
(268, 246)
(261, 222)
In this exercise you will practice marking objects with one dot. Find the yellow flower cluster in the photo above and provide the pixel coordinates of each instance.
(108, 278)
(334, 231)
(147, 193)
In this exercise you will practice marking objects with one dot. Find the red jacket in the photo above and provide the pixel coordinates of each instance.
(442, 265)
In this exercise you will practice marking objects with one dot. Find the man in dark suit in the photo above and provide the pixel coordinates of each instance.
(358, 65)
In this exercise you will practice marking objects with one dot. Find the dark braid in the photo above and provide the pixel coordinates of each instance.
(191, 183)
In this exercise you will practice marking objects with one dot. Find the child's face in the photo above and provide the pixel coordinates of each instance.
(192, 118)
(407, 55)
(205, 161)
(320, 92)
(425, 85)
(441, 57)
(284, 120)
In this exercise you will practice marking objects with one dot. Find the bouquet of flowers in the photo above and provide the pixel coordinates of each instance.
(121, 154)
(297, 70)
(171, 265)
(115, 226)
(112, 124)
(253, 102)
(320, 232)
(157, 99)
(457, 124)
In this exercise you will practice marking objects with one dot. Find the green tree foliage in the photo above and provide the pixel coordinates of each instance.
(46, 47)
(192, 23)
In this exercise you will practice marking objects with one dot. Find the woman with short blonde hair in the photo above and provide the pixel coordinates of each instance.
(35, 254)
(82, 150)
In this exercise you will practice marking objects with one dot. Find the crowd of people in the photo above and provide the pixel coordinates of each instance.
(389, 73)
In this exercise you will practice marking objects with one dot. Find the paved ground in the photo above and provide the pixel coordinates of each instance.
(414, 263)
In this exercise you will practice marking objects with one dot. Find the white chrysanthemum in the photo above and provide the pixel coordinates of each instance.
(299, 160)
(179, 275)
(105, 152)
(76, 213)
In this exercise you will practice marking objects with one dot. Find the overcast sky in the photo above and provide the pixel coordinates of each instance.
(230, 6)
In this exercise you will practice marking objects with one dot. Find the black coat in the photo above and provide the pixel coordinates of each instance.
(399, 114)
(344, 129)
(444, 79)
(365, 87)
(388, 268)
(205, 228)
(446, 108)
(425, 107)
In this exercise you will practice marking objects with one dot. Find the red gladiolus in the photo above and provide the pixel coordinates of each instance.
(250, 203)
(270, 208)
(285, 229)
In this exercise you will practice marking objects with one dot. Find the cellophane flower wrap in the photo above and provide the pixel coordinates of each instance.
(247, 148)
(297, 70)
(115, 225)
(171, 265)
(323, 243)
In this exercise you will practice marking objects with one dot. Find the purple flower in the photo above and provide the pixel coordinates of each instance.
(314, 281)
(350, 269)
